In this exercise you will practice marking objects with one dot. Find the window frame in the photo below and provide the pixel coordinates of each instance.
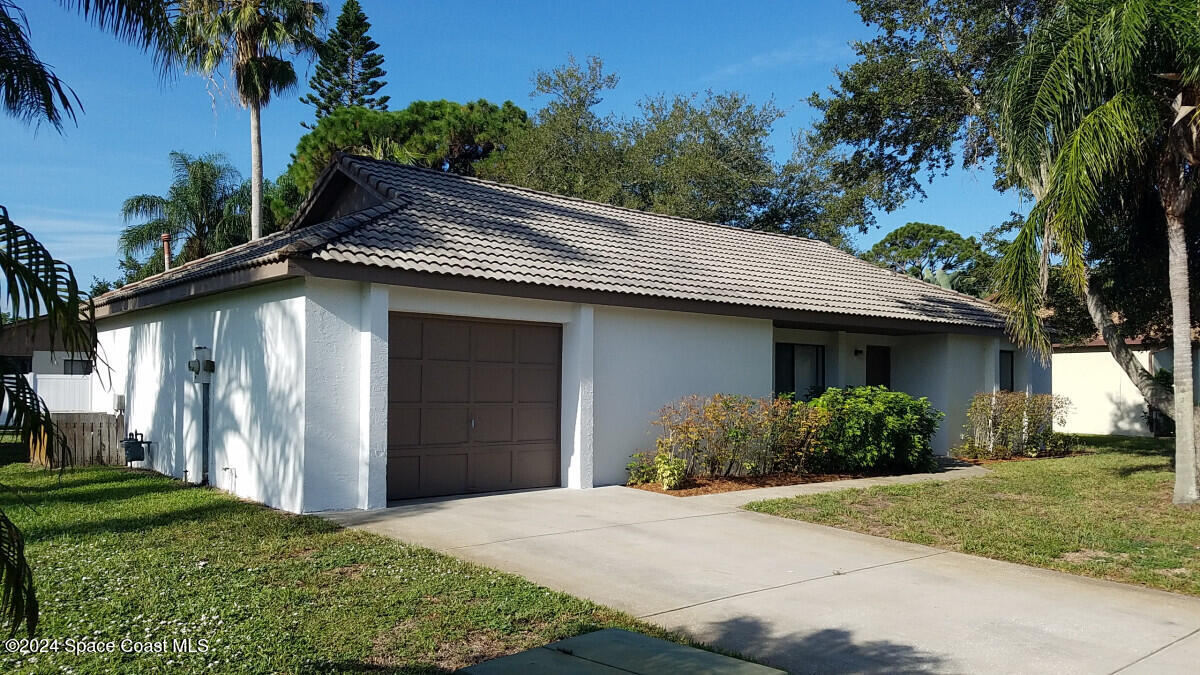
(785, 353)
(1012, 370)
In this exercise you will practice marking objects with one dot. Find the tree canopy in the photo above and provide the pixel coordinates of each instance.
(435, 134)
(206, 209)
(348, 69)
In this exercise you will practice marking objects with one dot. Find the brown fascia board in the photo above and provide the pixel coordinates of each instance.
(782, 317)
(197, 288)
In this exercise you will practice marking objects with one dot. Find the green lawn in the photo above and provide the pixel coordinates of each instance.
(121, 554)
(1107, 514)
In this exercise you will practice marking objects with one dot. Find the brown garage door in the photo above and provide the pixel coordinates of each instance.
(472, 406)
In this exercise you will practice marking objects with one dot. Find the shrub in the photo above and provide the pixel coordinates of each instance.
(671, 471)
(873, 429)
(1006, 424)
(733, 435)
(642, 469)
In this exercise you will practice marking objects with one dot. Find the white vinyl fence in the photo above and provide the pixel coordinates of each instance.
(64, 393)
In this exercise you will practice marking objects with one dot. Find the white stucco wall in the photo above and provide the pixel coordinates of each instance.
(1103, 398)
(299, 412)
(645, 359)
(256, 420)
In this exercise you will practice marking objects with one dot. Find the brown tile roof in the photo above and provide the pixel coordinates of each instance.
(446, 224)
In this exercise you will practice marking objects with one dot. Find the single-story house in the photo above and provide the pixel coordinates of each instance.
(416, 333)
(1103, 398)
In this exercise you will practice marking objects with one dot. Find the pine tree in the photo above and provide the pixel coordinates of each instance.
(348, 70)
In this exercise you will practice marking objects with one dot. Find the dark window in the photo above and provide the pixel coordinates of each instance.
(879, 366)
(1006, 370)
(799, 369)
(77, 367)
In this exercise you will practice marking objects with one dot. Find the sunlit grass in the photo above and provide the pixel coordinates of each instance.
(120, 554)
(1107, 514)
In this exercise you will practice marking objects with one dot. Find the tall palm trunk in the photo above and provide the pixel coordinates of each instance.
(256, 171)
(1186, 489)
(1176, 196)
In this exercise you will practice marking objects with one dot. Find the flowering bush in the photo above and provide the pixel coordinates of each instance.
(1006, 424)
(733, 435)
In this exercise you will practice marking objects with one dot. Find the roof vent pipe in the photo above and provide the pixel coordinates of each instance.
(166, 240)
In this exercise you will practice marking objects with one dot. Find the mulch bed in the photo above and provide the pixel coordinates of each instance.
(708, 486)
(1021, 458)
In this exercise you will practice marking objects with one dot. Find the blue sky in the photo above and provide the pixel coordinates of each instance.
(68, 188)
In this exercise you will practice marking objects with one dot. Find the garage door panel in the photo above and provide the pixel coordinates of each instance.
(403, 474)
(537, 424)
(443, 474)
(443, 382)
(446, 340)
(404, 425)
(537, 385)
(493, 343)
(444, 426)
(492, 425)
(404, 337)
(538, 344)
(490, 471)
(472, 406)
(492, 384)
(536, 466)
(404, 381)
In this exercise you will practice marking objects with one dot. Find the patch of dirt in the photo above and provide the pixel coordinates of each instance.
(1022, 458)
(477, 646)
(708, 486)
(353, 571)
(1087, 555)
(1175, 572)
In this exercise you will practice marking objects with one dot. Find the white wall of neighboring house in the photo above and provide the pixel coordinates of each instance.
(1103, 398)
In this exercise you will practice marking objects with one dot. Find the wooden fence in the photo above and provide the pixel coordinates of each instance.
(94, 438)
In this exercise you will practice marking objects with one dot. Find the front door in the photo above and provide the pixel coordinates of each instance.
(879, 366)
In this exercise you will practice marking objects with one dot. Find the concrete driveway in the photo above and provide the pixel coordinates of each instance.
(804, 597)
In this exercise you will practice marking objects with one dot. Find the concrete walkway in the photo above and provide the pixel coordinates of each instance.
(804, 597)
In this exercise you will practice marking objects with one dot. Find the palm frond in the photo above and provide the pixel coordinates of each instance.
(1097, 151)
(18, 599)
(29, 90)
(144, 23)
(40, 287)
(1021, 289)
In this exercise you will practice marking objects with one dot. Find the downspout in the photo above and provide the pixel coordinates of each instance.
(205, 396)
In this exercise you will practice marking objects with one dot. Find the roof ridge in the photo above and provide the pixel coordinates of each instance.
(519, 188)
(982, 303)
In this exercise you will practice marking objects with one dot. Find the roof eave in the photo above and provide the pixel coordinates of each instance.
(251, 275)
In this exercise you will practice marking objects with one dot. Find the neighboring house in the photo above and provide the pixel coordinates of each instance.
(1103, 398)
(417, 333)
(62, 381)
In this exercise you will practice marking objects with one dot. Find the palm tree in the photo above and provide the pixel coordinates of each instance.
(252, 37)
(1102, 96)
(205, 210)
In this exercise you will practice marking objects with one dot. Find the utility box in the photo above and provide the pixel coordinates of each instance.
(135, 447)
(202, 366)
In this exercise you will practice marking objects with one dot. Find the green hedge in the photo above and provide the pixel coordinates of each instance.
(873, 429)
